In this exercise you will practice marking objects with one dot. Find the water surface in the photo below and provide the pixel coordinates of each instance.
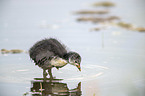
(112, 59)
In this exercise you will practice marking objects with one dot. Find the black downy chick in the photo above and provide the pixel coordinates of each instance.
(50, 53)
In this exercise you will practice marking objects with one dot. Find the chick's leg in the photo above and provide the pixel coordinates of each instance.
(44, 73)
(50, 73)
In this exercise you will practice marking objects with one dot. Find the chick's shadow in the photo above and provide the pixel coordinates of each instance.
(47, 87)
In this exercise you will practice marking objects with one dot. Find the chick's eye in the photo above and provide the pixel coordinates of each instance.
(75, 61)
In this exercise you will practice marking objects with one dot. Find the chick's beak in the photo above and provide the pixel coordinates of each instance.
(78, 66)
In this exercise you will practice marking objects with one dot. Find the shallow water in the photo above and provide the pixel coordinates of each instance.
(112, 59)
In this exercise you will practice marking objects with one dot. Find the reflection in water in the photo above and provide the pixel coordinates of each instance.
(47, 87)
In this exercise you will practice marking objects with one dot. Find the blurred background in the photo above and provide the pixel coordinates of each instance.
(109, 35)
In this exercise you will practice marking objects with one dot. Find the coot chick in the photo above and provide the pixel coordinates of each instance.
(50, 53)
